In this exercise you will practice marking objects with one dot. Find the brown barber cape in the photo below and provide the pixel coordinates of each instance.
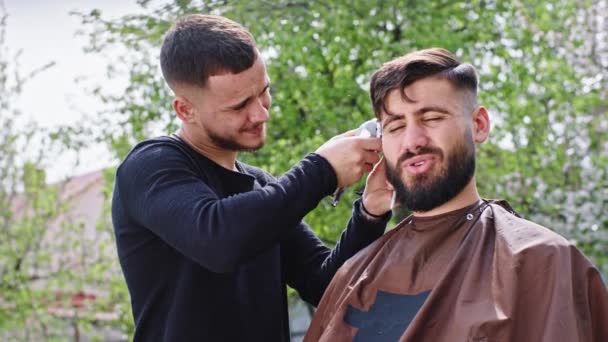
(480, 273)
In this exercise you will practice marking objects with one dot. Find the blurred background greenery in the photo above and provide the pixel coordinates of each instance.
(543, 76)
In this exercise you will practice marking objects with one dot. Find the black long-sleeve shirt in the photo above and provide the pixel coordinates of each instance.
(206, 252)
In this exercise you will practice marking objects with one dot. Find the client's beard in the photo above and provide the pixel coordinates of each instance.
(426, 192)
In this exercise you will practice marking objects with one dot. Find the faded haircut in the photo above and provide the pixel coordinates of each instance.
(199, 46)
(403, 71)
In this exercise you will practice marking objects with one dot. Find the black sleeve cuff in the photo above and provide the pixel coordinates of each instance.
(361, 215)
(330, 179)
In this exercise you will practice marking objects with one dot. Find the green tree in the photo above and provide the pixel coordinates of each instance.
(543, 77)
(47, 255)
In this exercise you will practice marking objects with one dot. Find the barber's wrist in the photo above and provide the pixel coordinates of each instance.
(369, 215)
(330, 178)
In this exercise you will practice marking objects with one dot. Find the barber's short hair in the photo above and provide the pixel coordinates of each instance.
(403, 71)
(199, 46)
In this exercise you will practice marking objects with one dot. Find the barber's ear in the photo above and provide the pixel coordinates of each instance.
(481, 124)
(183, 108)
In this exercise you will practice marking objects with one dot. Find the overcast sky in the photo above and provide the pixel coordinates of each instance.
(45, 32)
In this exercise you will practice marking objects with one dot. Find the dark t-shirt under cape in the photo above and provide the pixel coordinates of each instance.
(480, 273)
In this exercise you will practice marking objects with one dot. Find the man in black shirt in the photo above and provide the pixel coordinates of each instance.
(208, 244)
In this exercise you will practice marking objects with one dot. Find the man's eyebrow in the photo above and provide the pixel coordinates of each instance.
(431, 109)
(244, 102)
(390, 116)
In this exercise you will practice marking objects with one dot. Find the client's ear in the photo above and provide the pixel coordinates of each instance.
(481, 124)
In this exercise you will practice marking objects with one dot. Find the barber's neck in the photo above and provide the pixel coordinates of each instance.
(466, 197)
(223, 157)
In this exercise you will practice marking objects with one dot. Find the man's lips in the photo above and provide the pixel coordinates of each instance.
(419, 164)
(254, 130)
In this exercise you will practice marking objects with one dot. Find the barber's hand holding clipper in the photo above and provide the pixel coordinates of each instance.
(351, 156)
(370, 128)
(378, 197)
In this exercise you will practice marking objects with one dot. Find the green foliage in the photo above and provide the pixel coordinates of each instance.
(538, 64)
(46, 254)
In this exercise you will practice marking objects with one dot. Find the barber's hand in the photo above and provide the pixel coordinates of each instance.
(351, 156)
(378, 191)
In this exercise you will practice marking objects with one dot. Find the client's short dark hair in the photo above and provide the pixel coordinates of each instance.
(403, 71)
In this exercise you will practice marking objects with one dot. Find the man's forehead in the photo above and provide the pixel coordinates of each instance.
(428, 92)
(427, 88)
(225, 82)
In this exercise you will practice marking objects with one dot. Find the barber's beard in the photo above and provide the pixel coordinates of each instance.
(432, 189)
(231, 143)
